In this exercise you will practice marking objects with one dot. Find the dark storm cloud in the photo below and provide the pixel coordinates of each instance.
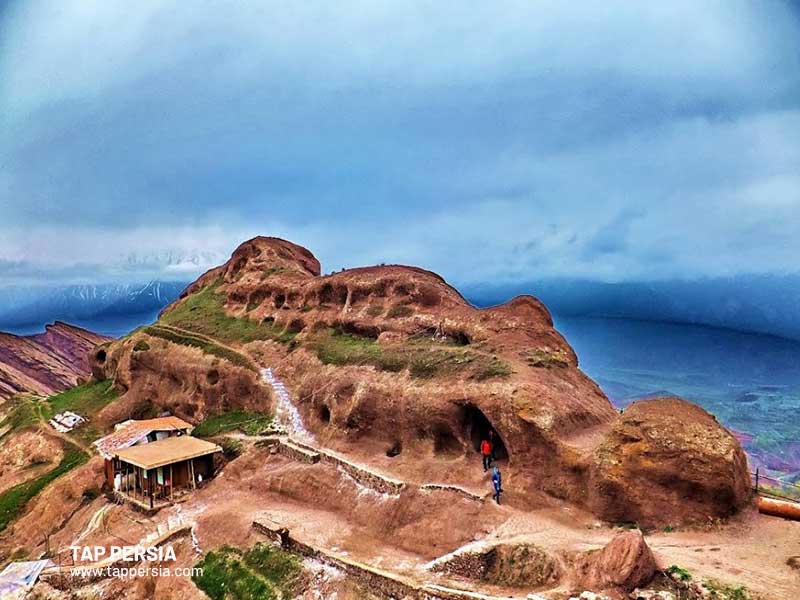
(618, 141)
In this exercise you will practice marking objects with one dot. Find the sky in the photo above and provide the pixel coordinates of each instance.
(613, 141)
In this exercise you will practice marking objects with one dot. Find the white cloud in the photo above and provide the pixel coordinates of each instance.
(613, 141)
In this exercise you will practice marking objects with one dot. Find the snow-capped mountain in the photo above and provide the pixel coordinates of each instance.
(33, 306)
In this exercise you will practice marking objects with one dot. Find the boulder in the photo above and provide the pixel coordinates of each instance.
(667, 461)
(625, 563)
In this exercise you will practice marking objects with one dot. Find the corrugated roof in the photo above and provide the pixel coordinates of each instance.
(133, 431)
(164, 452)
(23, 573)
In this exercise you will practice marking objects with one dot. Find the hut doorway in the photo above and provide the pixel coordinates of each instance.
(478, 428)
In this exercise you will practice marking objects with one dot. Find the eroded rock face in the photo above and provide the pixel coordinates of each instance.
(391, 360)
(668, 461)
(161, 376)
(625, 563)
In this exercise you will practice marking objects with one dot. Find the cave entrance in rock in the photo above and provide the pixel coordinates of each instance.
(478, 427)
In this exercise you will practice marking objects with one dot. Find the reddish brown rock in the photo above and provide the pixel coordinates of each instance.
(625, 563)
(45, 363)
(391, 361)
(668, 461)
(179, 379)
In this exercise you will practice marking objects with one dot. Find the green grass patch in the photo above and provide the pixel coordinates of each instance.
(204, 312)
(248, 422)
(494, 368)
(86, 400)
(23, 413)
(13, 501)
(141, 346)
(375, 311)
(543, 359)
(263, 572)
(398, 311)
(274, 564)
(422, 356)
(721, 591)
(206, 346)
(682, 573)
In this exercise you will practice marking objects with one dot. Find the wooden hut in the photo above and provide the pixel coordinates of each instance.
(152, 475)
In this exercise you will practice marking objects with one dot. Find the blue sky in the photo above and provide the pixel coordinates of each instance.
(487, 141)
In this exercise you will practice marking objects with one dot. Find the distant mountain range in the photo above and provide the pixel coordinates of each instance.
(752, 303)
(32, 307)
(759, 303)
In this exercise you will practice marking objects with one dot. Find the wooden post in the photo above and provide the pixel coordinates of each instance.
(756, 480)
(191, 468)
(150, 486)
(171, 485)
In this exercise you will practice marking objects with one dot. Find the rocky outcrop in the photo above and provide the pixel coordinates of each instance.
(515, 565)
(392, 361)
(159, 376)
(668, 461)
(45, 363)
(625, 563)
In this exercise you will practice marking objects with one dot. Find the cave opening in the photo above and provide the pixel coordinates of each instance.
(325, 413)
(395, 449)
(101, 356)
(477, 427)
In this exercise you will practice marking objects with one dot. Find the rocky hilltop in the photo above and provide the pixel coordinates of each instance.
(390, 365)
(47, 362)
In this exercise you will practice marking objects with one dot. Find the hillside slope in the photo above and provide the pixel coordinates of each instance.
(45, 363)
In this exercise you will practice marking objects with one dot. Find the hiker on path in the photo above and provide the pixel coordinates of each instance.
(497, 482)
(486, 452)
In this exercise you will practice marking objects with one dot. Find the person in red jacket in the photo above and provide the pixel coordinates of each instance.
(486, 452)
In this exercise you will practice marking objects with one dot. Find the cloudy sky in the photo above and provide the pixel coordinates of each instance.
(487, 141)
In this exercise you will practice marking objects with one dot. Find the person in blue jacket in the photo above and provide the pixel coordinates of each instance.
(497, 482)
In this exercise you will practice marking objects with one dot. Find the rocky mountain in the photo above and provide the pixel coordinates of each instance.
(45, 363)
(392, 364)
(351, 408)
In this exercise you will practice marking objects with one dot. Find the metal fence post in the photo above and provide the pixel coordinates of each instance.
(756, 480)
